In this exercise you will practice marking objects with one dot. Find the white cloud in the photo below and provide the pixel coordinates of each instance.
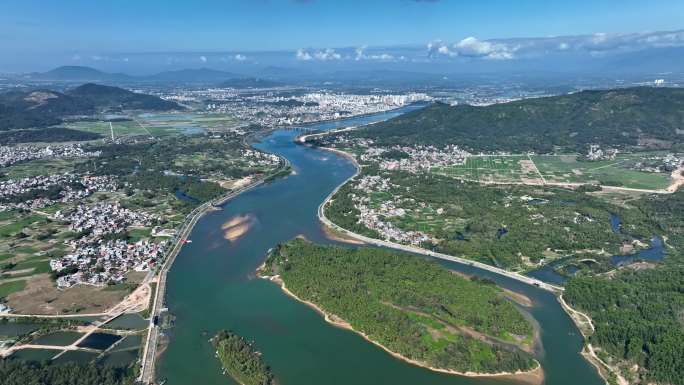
(240, 57)
(438, 47)
(473, 47)
(361, 55)
(203, 59)
(327, 54)
(595, 44)
(322, 55)
(76, 57)
(303, 55)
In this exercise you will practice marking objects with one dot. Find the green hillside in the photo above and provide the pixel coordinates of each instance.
(623, 117)
(42, 108)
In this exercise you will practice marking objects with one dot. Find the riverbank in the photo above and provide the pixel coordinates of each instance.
(532, 377)
(586, 326)
(416, 250)
(150, 353)
(588, 352)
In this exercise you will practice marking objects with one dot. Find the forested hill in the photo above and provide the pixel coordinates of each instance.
(620, 117)
(41, 108)
(113, 97)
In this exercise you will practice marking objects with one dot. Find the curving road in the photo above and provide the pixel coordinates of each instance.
(416, 250)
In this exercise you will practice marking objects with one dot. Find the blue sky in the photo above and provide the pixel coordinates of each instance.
(172, 25)
(79, 29)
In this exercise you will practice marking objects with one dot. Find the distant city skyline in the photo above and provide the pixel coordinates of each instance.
(139, 37)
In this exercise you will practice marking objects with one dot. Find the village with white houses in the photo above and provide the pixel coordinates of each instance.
(14, 154)
(67, 216)
(98, 257)
(97, 251)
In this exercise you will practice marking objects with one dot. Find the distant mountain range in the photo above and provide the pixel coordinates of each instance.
(199, 75)
(250, 83)
(42, 107)
(77, 74)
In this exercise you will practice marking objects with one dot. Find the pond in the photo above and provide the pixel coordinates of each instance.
(100, 341)
(61, 338)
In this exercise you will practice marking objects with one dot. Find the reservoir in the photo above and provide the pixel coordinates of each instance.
(212, 286)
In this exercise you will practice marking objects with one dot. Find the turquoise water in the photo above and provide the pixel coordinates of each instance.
(212, 286)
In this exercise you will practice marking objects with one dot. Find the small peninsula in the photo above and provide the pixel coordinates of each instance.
(413, 308)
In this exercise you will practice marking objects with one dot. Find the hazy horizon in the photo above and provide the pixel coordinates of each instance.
(429, 36)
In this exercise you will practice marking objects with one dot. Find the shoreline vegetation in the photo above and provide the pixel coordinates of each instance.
(149, 356)
(438, 329)
(534, 376)
(609, 371)
(240, 360)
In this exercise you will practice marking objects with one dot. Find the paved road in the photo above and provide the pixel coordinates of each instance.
(63, 349)
(412, 249)
(147, 370)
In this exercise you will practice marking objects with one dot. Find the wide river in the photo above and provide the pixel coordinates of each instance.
(212, 286)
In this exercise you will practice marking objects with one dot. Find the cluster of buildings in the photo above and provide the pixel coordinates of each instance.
(375, 217)
(10, 155)
(97, 259)
(659, 163)
(272, 109)
(417, 158)
(45, 190)
(107, 262)
(261, 159)
(102, 218)
(597, 153)
(672, 162)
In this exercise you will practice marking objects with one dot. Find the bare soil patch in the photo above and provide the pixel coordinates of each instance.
(41, 296)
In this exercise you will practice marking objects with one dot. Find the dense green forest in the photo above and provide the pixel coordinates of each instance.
(15, 372)
(48, 135)
(620, 117)
(42, 108)
(240, 360)
(666, 213)
(410, 305)
(638, 314)
(638, 318)
(498, 225)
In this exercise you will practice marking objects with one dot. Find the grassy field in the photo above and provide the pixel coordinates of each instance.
(490, 168)
(556, 169)
(124, 128)
(39, 167)
(11, 287)
(618, 172)
(161, 124)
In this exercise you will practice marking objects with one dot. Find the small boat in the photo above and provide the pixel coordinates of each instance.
(187, 241)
